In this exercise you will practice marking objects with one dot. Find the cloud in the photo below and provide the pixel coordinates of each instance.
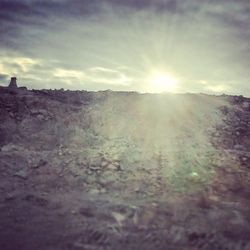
(3, 78)
(37, 71)
(107, 76)
(115, 44)
(64, 73)
(16, 65)
(217, 88)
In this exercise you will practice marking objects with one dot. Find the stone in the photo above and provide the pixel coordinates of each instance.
(244, 159)
(94, 191)
(86, 211)
(40, 117)
(111, 167)
(40, 164)
(9, 197)
(104, 164)
(11, 114)
(194, 177)
(107, 178)
(36, 200)
(246, 105)
(239, 147)
(103, 191)
(94, 168)
(119, 218)
(23, 173)
(9, 147)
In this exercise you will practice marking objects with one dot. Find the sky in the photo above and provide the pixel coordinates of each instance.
(127, 45)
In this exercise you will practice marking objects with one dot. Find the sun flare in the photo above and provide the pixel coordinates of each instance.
(159, 82)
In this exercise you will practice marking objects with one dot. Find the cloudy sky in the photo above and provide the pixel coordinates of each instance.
(138, 45)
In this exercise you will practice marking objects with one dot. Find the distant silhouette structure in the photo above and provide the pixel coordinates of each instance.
(13, 83)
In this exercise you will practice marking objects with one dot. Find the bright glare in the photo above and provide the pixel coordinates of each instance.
(162, 82)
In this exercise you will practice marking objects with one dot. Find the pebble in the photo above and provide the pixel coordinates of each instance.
(22, 174)
(244, 158)
(40, 117)
(9, 147)
(246, 105)
(239, 147)
(194, 176)
(104, 164)
(40, 163)
(111, 167)
(119, 218)
(73, 212)
(94, 191)
(86, 211)
(9, 197)
(103, 191)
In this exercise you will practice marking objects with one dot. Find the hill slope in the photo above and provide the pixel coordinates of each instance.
(117, 170)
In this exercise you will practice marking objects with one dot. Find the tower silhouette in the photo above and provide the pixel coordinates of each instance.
(13, 83)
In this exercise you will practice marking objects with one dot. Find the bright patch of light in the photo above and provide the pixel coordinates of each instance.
(63, 73)
(217, 88)
(159, 82)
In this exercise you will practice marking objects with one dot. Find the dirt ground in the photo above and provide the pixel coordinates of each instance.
(116, 170)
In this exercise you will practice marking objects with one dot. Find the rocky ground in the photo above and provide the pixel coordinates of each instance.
(116, 170)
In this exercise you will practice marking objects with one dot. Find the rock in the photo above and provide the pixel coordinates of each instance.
(41, 112)
(107, 178)
(119, 218)
(9, 197)
(204, 202)
(41, 163)
(40, 117)
(114, 166)
(94, 191)
(86, 211)
(246, 105)
(235, 186)
(10, 147)
(81, 163)
(239, 147)
(143, 218)
(111, 167)
(103, 191)
(73, 212)
(94, 168)
(104, 164)
(245, 160)
(241, 131)
(224, 110)
(194, 177)
(23, 173)
(36, 200)
(12, 115)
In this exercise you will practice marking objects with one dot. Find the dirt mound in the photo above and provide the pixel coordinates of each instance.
(121, 170)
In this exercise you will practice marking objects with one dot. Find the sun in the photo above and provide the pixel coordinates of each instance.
(160, 81)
